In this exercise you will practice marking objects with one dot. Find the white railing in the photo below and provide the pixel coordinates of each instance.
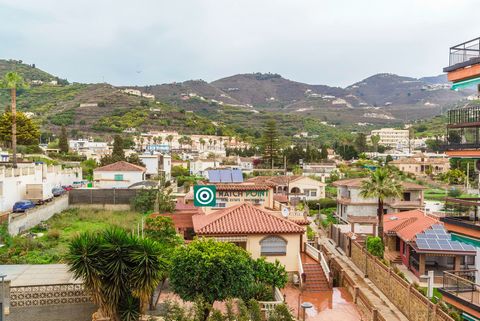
(268, 306)
(300, 270)
(318, 256)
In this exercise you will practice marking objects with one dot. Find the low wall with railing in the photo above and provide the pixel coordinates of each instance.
(402, 294)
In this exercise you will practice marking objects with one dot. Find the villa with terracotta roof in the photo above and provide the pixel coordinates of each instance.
(295, 187)
(421, 164)
(356, 210)
(118, 175)
(421, 243)
(255, 229)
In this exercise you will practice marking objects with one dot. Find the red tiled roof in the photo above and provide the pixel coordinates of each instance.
(121, 166)
(357, 183)
(275, 180)
(407, 224)
(181, 219)
(280, 198)
(243, 219)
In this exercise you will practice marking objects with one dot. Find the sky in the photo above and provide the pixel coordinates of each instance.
(143, 42)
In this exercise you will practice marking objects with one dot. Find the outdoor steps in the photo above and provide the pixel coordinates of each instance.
(393, 257)
(315, 278)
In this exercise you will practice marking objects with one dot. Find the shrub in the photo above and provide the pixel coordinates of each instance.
(454, 192)
(53, 234)
(375, 246)
(324, 203)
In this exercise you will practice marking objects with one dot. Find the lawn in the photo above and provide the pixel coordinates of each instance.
(49, 243)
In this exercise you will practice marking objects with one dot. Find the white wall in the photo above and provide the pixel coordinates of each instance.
(13, 182)
(106, 179)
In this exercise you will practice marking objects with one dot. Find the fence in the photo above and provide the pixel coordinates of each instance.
(402, 294)
(109, 196)
(268, 306)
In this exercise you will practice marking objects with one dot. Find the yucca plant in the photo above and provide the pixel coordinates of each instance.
(121, 271)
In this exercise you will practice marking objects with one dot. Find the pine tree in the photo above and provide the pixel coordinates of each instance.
(63, 141)
(270, 142)
(324, 152)
(118, 154)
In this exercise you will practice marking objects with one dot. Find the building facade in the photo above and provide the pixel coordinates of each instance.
(118, 175)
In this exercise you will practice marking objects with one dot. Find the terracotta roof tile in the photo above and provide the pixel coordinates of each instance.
(243, 219)
(120, 166)
(407, 224)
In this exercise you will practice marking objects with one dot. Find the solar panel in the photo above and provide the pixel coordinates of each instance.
(433, 244)
(422, 244)
(237, 176)
(438, 227)
(457, 246)
(214, 176)
(225, 176)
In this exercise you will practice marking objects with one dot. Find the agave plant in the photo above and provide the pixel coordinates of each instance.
(120, 270)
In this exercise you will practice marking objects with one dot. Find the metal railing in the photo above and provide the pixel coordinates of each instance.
(464, 51)
(318, 255)
(462, 285)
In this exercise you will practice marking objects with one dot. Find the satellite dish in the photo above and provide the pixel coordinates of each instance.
(285, 212)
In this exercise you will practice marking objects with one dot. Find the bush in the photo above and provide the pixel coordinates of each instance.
(454, 192)
(375, 246)
(324, 203)
(144, 201)
(53, 234)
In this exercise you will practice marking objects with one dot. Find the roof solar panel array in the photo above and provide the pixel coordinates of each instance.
(225, 175)
(437, 239)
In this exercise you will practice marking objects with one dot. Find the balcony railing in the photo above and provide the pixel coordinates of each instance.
(461, 117)
(461, 285)
(464, 52)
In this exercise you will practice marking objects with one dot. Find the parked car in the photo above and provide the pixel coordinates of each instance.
(58, 191)
(67, 187)
(22, 206)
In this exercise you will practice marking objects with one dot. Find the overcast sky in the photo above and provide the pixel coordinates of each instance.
(334, 42)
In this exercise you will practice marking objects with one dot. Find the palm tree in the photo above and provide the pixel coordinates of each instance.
(13, 81)
(381, 184)
(120, 270)
(202, 142)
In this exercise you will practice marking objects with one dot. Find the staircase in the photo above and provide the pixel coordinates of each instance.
(315, 278)
(393, 257)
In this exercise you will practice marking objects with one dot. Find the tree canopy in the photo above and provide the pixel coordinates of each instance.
(270, 143)
(27, 131)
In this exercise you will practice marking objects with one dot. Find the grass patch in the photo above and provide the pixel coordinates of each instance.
(52, 246)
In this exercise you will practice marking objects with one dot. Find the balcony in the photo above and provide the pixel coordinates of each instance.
(464, 54)
(460, 290)
(406, 204)
(463, 129)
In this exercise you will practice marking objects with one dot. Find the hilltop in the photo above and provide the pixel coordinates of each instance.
(238, 104)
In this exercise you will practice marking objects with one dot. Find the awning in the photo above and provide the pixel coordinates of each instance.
(465, 83)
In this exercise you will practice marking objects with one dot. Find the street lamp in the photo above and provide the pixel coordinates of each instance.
(319, 214)
(305, 306)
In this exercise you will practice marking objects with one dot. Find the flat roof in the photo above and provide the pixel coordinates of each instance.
(37, 274)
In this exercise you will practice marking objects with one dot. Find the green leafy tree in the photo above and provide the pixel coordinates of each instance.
(120, 271)
(453, 176)
(381, 184)
(117, 152)
(375, 246)
(87, 168)
(270, 143)
(162, 230)
(273, 274)
(281, 313)
(324, 152)
(214, 270)
(361, 143)
(165, 201)
(13, 81)
(144, 200)
(63, 141)
(27, 131)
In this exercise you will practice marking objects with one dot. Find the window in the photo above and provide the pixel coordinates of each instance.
(273, 246)
(407, 196)
(313, 193)
(118, 177)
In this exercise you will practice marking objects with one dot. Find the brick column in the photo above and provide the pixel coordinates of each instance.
(421, 264)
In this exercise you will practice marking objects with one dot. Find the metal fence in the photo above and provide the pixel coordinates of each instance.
(110, 196)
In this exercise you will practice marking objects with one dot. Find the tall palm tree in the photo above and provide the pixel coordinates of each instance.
(169, 139)
(202, 142)
(382, 184)
(13, 81)
(120, 270)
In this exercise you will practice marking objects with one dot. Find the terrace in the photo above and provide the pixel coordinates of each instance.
(463, 129)
(459, 289)
(464, 54)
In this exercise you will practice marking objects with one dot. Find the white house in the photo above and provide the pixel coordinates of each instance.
(354, 209)
(118, 175)
(157, 164)
(200, 166)
(321, 170)
(13, 181)
(295, 187)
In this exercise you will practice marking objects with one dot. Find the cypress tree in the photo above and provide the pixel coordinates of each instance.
(63, 141)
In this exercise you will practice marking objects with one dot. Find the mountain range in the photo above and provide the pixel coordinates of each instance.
(240, 101)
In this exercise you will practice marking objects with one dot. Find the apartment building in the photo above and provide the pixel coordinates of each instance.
(392, 138)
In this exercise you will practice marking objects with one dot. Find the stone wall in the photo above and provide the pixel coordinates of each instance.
(402, 294)
(22, 222)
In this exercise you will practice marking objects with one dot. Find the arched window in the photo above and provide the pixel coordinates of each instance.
(295, 190)
(273, 245)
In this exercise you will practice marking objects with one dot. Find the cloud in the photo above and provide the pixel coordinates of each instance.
(334, 42)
